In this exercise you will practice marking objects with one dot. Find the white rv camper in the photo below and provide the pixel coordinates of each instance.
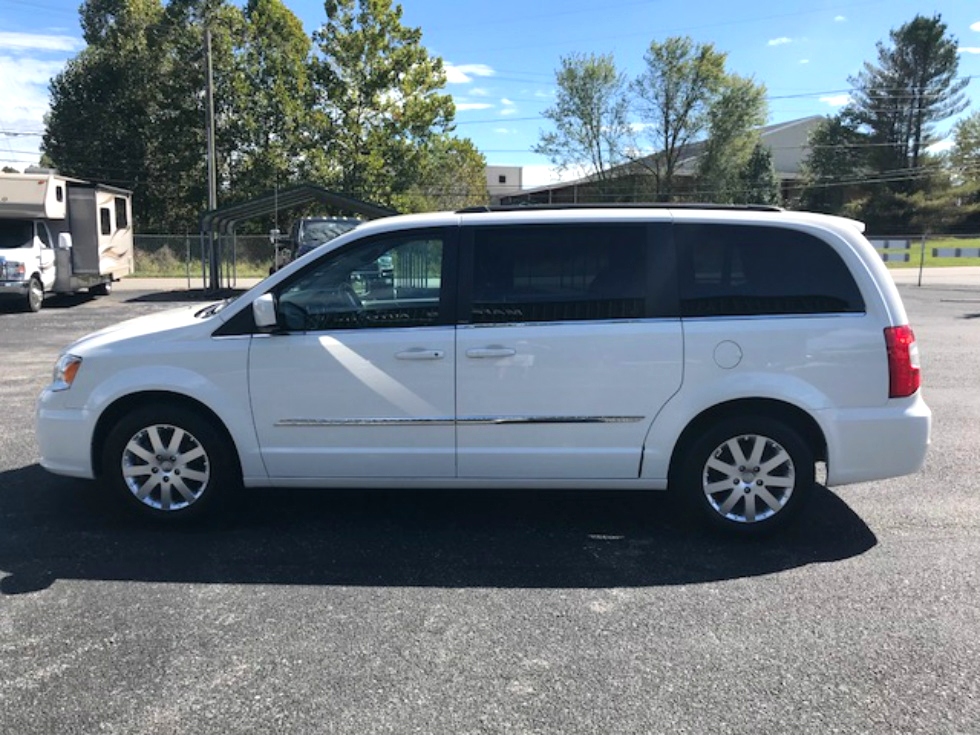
(61, 235)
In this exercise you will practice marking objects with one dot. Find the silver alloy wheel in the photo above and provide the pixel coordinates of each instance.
(35, 295)
(748, 478)
(165, 467)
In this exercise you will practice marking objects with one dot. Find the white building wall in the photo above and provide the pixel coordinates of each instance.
(503, 180)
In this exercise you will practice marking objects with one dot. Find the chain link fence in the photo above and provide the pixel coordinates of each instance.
(187, 256)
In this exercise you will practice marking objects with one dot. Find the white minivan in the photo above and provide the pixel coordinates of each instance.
(720, 351)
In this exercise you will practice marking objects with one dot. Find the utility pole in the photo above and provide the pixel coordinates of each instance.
(214, 280)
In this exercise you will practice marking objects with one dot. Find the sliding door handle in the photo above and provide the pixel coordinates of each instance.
(421, 355)
(481, 352)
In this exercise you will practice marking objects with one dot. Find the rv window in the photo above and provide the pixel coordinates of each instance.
(59, 193)
(122, 217)
(105, 216)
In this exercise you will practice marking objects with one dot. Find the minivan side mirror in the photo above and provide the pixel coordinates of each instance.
(64, 241)
(264, 311)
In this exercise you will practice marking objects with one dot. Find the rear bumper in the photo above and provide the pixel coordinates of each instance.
(877, 443)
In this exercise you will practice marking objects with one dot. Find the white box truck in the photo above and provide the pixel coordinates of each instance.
(61, 235)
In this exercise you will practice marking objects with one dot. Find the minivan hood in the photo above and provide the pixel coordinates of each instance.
(151, 324)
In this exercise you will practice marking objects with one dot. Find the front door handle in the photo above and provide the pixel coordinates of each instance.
(479, 352)
(420, 354)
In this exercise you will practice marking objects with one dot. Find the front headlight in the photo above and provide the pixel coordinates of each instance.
(11, 270)
(65, 371)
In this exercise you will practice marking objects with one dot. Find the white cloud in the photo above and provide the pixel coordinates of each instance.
(507, 102)
(969, 49)
(479, 92)
(505, 131)
(464, 106)
(781, 41)
(544, 95)
(541, 174)
(839, 18)
(27, 63)
(508, 111)
(941, 147)
(837, 100)
(804, 61)
(464, 73)
(38, 42)
(975, 26)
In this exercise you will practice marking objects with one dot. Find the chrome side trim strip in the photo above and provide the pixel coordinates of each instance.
(469, 421)
(550, 420)
(307, 423)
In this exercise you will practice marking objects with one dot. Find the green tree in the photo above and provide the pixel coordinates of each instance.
(99, 123)
(834, 164)
(377, 100)
(965, 154)
(177, 160)
(734, 119)
(589, 116)
(129, 108)
(964, 163)
(898, 100)
(273, 124)
(673, 99)
(757, 180)
(452, 175)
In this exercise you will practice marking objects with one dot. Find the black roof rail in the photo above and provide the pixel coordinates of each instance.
(620, 205)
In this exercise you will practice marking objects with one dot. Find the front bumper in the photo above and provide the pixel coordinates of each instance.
(14, 288)
(64, 437)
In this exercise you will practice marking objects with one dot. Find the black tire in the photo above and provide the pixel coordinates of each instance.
(768, 467)
(101, 289)
(193, 465)
(35, 295)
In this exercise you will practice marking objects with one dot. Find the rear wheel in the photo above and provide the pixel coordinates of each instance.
(749, 475)
(168, 462)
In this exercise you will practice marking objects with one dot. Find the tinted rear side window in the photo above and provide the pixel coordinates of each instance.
(729, 270)
(546, 273)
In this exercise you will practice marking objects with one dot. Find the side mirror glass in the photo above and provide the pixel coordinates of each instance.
(264, 311)
(64, 241)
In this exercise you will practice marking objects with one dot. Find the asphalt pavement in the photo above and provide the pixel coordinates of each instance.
(491, 612)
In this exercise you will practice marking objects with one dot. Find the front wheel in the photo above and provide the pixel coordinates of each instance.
(749, 475)
(101, 289)
(168, 462)
(35, 295)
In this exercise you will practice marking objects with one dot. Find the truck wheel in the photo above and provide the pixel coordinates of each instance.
(35, 295)
(101, 289)
(168, 463)
(749, 475)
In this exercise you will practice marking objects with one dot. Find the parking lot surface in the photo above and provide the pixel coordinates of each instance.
(490, 612)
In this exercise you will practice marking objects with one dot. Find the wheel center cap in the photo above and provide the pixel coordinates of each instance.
(748, 477)
(167, 466)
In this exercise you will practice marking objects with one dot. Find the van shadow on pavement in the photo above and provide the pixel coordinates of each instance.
(55, 528)
(179, 295)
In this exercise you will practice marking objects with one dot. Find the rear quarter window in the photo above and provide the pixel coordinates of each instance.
(735, 270)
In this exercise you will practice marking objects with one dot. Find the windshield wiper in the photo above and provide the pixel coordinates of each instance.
(212, 309)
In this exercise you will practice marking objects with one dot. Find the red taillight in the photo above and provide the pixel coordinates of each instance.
(904, 376)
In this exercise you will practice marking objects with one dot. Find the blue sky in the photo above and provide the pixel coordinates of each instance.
(501, 57)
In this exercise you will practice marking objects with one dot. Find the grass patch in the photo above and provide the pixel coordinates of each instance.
(932, 262)
(164, 263)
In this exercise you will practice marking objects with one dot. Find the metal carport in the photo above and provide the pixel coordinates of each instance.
(223, 221)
